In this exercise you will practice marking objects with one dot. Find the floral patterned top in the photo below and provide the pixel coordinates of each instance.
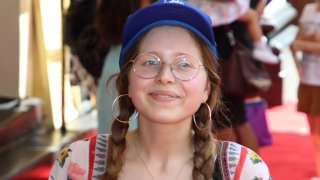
(86, 159)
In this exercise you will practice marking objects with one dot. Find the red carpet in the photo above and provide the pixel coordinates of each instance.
(290, 157)
(40, 172)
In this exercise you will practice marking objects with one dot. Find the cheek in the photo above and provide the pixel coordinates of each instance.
(136, 86)
(131, 85)
(199, 89)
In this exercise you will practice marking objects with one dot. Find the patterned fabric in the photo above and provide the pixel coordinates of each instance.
(100, 156)
(86, 159)
(228, 153)
(222, 12)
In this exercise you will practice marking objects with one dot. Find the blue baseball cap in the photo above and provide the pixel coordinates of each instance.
(167, 12)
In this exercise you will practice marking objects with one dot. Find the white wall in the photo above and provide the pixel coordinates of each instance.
(9, 48)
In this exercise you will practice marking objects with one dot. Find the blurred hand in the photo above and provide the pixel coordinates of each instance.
(293, 47)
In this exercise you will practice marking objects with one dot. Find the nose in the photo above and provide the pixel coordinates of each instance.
(165, 75)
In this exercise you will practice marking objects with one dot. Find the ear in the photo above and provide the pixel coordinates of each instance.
(129, 92)
(206, 93)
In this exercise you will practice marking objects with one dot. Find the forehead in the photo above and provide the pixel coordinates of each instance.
(169, 40)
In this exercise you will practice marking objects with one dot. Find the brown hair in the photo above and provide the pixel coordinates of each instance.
(203, 158)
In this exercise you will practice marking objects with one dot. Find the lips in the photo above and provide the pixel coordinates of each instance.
(164, 95)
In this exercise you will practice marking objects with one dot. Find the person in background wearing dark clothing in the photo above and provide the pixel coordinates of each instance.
(80, 15)
(239, 129)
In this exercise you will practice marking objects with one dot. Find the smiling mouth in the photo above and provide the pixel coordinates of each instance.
(164, 96)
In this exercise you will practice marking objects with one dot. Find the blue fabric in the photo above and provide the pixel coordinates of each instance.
(107, 94)
(167, 12)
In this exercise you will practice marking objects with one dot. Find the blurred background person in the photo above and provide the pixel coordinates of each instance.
(238, 129)
(226, 12)
(308, 42)
(93, 31)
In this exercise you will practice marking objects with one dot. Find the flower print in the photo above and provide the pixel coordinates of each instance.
(75, 172)
(254, 157)
(63, 155)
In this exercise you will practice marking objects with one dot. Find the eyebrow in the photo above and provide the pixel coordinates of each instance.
(178, 54)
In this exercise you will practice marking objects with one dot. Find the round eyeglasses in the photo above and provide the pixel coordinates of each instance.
(148, 66)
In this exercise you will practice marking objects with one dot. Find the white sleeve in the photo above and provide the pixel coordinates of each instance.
(254, 167)
(72, 162)
(241, 163)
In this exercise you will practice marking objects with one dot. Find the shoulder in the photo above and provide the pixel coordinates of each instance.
(239, 162)
(75, 159)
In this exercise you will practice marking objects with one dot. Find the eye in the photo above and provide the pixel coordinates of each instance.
(151, 62)
(184, 63)
(148, 60)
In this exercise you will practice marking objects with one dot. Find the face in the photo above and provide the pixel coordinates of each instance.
(166, 99)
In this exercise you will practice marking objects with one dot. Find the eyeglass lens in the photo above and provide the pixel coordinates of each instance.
(183, 67)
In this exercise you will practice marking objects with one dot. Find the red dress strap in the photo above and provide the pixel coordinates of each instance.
(92, 148)
(242, 159)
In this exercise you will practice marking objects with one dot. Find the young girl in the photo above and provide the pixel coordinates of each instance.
(308, 42)
(169, 77)
(224, 12)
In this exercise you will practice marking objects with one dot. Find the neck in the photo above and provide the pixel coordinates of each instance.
(163, 146)
(164, 140)
(164, 161)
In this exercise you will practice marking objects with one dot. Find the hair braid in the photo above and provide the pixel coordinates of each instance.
(117, 139)
(203, 145)
(203, 158)
(116, 147)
